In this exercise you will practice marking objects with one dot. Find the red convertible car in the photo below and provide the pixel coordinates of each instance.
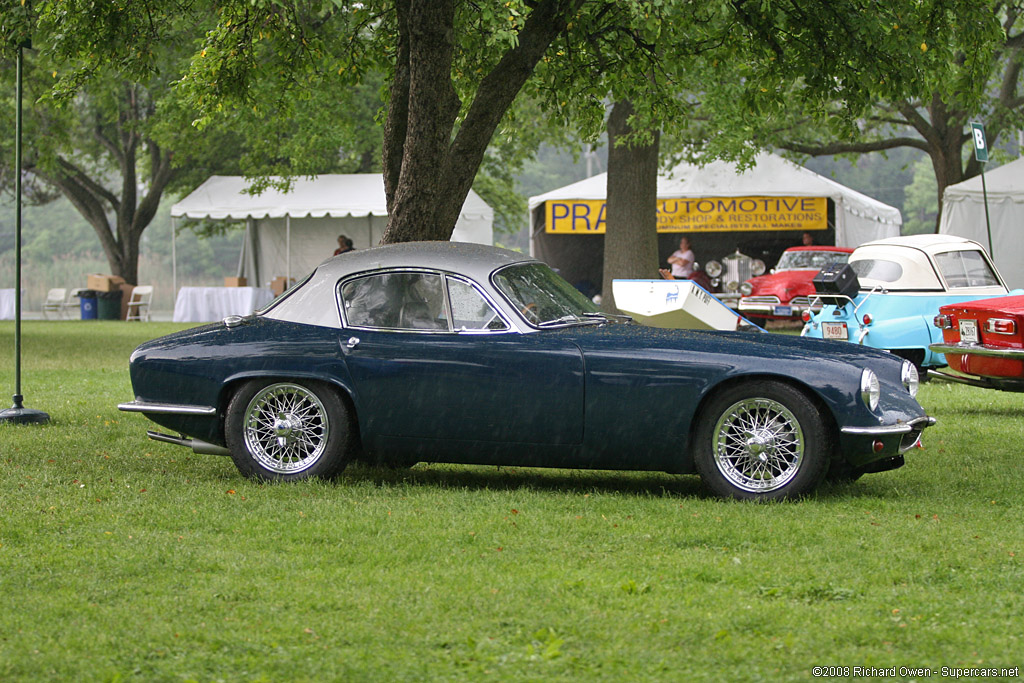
(786, 291)
(984, 342)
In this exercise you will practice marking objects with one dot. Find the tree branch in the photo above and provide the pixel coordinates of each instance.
(853, 147)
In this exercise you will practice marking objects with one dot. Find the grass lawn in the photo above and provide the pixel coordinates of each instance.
(127, 559)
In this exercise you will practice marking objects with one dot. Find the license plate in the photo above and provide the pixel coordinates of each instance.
(833, 330)
(969, 331)
(783, 310)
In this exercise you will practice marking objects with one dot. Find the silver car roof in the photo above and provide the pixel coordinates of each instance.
(314, 301)
(476, 261)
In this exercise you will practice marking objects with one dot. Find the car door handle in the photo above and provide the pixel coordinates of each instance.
(352, 342)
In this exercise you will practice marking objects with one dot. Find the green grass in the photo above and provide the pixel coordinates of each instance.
(126, 559)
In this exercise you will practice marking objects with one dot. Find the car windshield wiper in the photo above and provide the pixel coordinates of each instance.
(571, 318)
(609, 316)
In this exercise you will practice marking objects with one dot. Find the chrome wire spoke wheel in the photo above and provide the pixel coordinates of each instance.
(758, 445)
(286, 428)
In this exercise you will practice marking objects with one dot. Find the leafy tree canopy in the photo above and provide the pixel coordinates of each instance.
(452, 70)
(967, 66)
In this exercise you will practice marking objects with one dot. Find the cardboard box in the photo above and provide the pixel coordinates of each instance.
(103, 283)
(279, 284)
(235, 282)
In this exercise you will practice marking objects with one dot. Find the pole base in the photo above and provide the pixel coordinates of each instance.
(23, 416)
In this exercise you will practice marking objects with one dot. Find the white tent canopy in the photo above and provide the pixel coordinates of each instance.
(963, 214)
(290, 233)
(854, 217)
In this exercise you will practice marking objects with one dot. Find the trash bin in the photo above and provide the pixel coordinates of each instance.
(87, 304)
(108, 305)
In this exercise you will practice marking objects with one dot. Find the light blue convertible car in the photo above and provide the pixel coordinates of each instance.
(899, 285)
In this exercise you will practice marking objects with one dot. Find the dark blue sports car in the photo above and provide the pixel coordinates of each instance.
(462, 353)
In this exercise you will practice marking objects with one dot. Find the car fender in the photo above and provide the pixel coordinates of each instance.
(338, 380)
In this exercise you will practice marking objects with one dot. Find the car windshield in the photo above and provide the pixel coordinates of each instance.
(542, 296)
(810, 260)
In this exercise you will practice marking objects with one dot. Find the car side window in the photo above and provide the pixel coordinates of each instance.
(470, 311)
(396, 301)
(965, 269)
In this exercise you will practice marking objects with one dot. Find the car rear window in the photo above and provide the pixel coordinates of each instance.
(877, 269)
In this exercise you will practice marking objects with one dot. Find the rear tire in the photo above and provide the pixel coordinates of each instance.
(287, 431)
(762, 440)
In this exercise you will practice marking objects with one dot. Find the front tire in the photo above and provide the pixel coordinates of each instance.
(286, 431)
(763, 440)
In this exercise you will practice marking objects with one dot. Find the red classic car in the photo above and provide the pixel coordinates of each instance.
(983, 341)
(786, 291)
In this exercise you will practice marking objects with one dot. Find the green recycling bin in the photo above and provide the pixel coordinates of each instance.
(108, 305)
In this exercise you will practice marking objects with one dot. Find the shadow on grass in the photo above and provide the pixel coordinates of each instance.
(503, 478)
(490, 478)
(483, 477)
(984, 411)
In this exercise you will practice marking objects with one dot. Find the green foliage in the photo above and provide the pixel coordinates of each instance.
(125, 558)
(922, 204)
(815, 78)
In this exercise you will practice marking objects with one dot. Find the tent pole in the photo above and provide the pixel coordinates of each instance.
(174, 259)
(241, 252)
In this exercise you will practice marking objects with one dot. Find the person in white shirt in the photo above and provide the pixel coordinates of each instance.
(682, 260)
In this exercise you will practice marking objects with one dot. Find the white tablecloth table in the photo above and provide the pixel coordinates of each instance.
(7, 304)
(210, 304)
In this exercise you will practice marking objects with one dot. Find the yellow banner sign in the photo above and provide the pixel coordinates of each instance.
(698, 214)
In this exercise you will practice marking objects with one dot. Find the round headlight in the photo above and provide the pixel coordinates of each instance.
(732, 286)
(713, 268)
(757, 267)
(869, 389)
(910, 378)
(746, 288)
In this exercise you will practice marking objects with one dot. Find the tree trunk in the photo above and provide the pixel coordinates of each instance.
(96, 204)
(429, 167)
(631, 238)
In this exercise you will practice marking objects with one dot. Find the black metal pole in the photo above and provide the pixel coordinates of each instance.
(18, 413)
(988, 223)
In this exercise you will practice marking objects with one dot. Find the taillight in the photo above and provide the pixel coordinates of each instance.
(806, 316)
(1001, 326)
(943, 322)
(867, 318)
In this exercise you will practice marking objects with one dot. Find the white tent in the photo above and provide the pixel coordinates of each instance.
(852, 217)
(290, 234)
(963, 214)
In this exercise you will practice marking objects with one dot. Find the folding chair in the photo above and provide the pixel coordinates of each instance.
(71, 303)
(138, 304)
(54, 302)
